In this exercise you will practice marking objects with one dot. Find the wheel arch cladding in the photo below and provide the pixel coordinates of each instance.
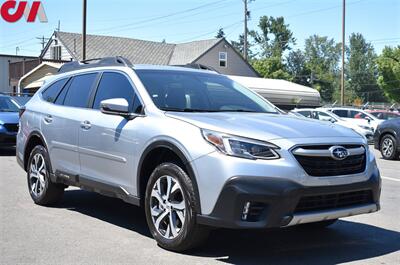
(34, 139)
(157, 153)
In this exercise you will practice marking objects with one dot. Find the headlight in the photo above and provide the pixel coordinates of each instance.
(240, 146)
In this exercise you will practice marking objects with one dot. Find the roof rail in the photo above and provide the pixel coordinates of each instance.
(97, 62)
(197, 66)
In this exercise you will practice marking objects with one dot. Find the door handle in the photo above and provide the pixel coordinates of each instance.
(48, 119)
(86, 125)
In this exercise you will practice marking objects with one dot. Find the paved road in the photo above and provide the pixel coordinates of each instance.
(87, 228)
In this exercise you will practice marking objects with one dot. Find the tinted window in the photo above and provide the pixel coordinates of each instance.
(51, 93)
(114, 85)
(306, 114)
(357, 115)
(61, 97)
(79, 91)
(8, 105)
(341, 113)
(200, 92)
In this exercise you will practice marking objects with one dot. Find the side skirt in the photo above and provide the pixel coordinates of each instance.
(94, 186)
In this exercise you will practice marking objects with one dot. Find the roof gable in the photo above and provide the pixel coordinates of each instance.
(185, 53)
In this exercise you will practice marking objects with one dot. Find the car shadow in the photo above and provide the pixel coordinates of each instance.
(344, 241)
(7, 151)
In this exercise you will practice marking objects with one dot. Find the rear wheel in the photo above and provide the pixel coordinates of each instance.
(41, 189)
(170, 209)
(389, 147)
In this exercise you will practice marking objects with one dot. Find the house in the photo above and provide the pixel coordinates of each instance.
(217, 54)
(34, 79)
(10, 75)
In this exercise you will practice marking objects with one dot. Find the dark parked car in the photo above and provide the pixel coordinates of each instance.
(9, 119)
(387, 139)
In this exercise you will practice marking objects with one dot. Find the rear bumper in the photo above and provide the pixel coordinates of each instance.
(278, 199)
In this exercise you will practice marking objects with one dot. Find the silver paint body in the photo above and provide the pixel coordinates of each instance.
(110, 148)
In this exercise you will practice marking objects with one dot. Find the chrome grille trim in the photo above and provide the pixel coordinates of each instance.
(326, 153)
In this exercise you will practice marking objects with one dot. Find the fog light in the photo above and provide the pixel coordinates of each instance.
(245, 211)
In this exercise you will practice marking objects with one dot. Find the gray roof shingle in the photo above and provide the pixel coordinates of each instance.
(137, 51)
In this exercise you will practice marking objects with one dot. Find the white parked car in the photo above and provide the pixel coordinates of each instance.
(358, 116)
(325, 115)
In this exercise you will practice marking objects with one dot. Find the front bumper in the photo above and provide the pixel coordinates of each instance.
(278, 199)
(8, 139)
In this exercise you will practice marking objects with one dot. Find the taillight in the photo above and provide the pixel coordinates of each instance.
(21, 111)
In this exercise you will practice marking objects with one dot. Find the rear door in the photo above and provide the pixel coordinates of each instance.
(108, 143)
(62, 122)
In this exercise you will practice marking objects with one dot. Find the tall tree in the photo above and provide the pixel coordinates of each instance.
(274, 37)
(389, 72)
(322, 57)
(220, 33)
(239, 46)
(297, 68)
(361, 71)
(271, 68)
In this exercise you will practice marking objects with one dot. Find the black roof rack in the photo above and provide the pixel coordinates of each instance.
(197, 66)
(97, 62)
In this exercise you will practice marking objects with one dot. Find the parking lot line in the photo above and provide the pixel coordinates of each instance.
(398, 180)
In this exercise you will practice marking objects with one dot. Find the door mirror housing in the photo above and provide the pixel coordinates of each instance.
(115, 106)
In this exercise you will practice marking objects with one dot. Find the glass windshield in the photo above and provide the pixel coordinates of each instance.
(186, 91)
(8, 105)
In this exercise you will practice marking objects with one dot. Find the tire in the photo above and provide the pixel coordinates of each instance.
(42, 190)
(319, 225)
(388, 147)
(164, 208)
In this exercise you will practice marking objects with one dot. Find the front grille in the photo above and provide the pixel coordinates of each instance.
(11, 127)
(326, 166)
(334, 201)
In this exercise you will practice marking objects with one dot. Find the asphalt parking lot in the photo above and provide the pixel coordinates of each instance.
(87, 228)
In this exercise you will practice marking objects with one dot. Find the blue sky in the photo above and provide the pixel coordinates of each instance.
(377, 20)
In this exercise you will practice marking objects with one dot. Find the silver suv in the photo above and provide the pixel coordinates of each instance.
(194, 148)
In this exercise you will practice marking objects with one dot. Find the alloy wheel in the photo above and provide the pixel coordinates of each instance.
(167, 207)
(37, 175)
(387, 147)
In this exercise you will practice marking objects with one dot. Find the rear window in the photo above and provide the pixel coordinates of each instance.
(79, 91)
(51, 93)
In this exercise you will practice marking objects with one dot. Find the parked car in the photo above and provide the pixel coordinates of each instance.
(9, 119)
(194, 148)
(358, 116)
(327, 116)
(384, 115)
(387, 139)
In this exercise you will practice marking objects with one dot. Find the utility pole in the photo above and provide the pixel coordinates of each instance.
(84, 31)
(43, 41)
(245, 30)
(342, 99)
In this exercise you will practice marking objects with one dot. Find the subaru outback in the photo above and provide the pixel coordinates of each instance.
(192, 147)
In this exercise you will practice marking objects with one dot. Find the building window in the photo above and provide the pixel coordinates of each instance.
(223, 59)
(55, 53)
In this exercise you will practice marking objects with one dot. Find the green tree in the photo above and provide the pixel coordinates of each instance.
(271, 68)
(389, 72)
(361, 71)
(239, 46)
(322, 57)
(220, 33)
(297, 68)
(274, 37)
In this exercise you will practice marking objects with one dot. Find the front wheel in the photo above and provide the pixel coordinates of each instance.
(41, 189)
(389, 147)
(170, 209)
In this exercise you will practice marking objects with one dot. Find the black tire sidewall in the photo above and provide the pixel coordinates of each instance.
(394, 153)
(190, 218)
(39, 150)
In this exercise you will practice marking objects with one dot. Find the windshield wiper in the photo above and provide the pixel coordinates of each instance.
(187, 110)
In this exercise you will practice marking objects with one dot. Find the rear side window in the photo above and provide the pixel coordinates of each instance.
(51, 93)
(114, 85)
(341, 113)
(79, 91)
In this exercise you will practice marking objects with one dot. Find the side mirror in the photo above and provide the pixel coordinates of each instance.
(115, 106)
(368, 119)
(332, 120)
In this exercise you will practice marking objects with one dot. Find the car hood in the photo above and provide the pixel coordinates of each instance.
(9, 117)
(264, 126)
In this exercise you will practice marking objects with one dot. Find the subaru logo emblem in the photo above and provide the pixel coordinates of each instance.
(339, 152)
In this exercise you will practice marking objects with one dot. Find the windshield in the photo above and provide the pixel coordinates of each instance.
(385, 115)
(186, 91)
(8, 105)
